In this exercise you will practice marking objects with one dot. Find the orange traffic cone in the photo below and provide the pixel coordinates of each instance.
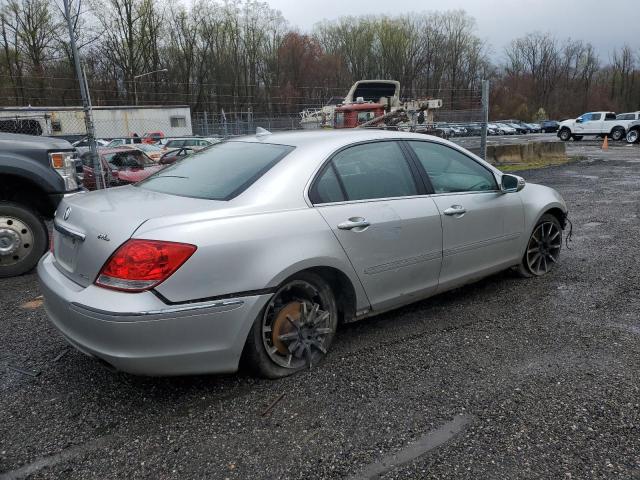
(605, 144)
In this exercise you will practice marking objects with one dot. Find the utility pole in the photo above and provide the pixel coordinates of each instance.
(485, 118)
(86, 105)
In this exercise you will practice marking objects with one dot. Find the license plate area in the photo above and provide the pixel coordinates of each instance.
(65, 249)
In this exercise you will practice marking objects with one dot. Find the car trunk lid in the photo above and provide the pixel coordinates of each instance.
(88, 228)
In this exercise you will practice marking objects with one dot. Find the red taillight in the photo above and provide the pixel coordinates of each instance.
(142, 264)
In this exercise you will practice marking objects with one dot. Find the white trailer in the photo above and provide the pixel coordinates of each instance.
(109, 122)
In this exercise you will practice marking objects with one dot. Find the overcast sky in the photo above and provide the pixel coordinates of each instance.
(498, 21)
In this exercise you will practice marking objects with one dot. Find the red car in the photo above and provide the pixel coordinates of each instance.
(173, 155)
(120, 166)
(152, 137)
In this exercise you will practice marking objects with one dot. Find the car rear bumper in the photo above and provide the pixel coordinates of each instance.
(138, 333)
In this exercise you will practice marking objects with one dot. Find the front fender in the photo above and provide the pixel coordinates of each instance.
(36, 172)
(537, 200)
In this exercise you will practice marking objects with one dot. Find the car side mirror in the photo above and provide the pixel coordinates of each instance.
(511, 183)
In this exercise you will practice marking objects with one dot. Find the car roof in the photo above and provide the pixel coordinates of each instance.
(330, 138)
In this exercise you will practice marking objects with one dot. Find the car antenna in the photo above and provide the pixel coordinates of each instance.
(262, 132)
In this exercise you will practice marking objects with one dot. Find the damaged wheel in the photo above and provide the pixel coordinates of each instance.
(295, 329)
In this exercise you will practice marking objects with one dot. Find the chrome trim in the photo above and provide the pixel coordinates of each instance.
(162, 311)
(404, 262)
(482, 243)
(69, 231)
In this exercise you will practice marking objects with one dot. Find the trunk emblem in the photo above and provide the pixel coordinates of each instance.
(104, 236)
(67, 212)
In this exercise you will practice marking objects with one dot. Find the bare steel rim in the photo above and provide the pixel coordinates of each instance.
(297, 326)
(16, 240)
(544, 247)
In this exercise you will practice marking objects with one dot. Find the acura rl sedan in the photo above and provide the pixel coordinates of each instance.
(256, 249)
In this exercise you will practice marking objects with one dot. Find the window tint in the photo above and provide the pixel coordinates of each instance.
(595, 116)
(327, 188)
(217, 173)
(374, 170)
(624, 116)
(452, 171)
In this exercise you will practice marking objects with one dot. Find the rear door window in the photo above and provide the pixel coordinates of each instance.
(218, 173)
(365, 172)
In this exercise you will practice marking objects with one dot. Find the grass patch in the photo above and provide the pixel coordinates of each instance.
(514, 167)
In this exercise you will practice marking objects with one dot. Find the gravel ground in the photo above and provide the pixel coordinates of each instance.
(506, 378)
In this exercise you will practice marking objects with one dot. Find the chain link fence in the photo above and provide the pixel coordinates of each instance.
(147, 135)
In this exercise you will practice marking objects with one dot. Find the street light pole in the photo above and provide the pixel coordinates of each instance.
(135, 89)
(86, 106)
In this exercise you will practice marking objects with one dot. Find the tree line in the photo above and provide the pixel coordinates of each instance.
(241, 55)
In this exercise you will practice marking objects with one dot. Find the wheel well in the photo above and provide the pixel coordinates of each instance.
(559, 214)
(342, 289)
(617, 127)
(15, 188)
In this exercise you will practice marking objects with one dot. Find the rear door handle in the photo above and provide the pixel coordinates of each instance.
(358, 223)
(455, 210)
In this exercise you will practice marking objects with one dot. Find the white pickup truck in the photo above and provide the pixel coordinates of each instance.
(594, 123)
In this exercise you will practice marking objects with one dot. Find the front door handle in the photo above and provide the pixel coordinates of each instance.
(455, 210)
(354, 223)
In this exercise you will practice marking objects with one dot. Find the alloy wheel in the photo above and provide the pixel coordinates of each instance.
(297, 327)
(544, 248)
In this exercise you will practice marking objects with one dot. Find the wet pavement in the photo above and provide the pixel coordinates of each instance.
(505, 378)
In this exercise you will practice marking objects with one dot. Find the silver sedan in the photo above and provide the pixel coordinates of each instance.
(257, 248)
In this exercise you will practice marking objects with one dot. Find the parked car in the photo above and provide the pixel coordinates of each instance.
(154, 152)
(520, 128)
(628, 116)
(152, 137)
(118, 142)
(120, 166)
(82, 145)
(195, 143)
(174, 155)
(35, 173)
(533, 127)
(506, 129)
(550, 126)
(633, 132)
(595, 124)
(259, 246)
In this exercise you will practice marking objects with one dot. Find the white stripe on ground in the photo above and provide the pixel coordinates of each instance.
(63, 456)
(424, 444)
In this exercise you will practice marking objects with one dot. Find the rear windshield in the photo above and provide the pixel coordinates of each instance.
(220, 172)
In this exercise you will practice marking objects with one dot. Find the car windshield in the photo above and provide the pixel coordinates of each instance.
(128, 159)
(220, 172)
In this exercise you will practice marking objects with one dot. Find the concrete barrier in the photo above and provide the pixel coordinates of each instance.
(529, 152)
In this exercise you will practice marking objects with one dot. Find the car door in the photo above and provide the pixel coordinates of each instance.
(595, 124)
(481, 226)
(373, 200)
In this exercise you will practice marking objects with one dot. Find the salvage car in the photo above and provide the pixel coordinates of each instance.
(257, 248)
(120, 166)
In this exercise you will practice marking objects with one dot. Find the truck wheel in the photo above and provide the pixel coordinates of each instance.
(23, 239)
(617, 133)
(633, 136)
(565, 134)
